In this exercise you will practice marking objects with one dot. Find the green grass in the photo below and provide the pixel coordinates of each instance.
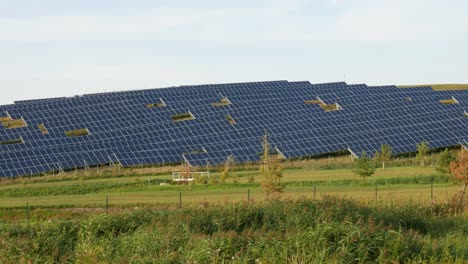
(43, 129)
(325, 215)
(182, 117)
(403, 183)
(440, 87)
(290, 231)
(13, 123)
(159, 196)
(13, 141)
(77, 132)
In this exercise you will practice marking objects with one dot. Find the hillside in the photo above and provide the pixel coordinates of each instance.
(439, 87)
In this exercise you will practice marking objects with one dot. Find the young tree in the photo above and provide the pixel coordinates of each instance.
(187, 172)
(266, 153)
(459, 170)
(363, 166)
(272, 179)
(384, 155)
(423, 149)
(235, 178)
(251, 179)
(272, 171)
(443, 162)
(225, 172)
(224, 176)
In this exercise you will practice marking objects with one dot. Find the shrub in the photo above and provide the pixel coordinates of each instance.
(77, 132)
(182, 117)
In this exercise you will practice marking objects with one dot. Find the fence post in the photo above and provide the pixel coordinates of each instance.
(107, 202)
(180, 199)
(376, 183)
(432, 188)
(314, 190)
(27, 211)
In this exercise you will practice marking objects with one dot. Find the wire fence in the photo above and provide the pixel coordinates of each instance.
(180, 196)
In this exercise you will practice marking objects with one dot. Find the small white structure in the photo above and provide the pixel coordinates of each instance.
(182, 177)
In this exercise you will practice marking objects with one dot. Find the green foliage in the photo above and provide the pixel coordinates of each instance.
(272, 171)
(423, 149)
(329, 107)
(443, 162)
(222, 102)
(12, 141)
(227, 168)
(213, 180)
(363, 166)
(448, 102)
(9, 123)
(230, 119)
(160, 104)
(77, 132)
(235, 178)
(384, 155)
(224, 175)
(43, 129)
(182, 117)
(251, 179)
(76, 189)
(297, 231)
(419, 179)
(272, 182)
(440, 87)
(265, 153)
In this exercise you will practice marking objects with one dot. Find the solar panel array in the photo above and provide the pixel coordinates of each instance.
(124, 129)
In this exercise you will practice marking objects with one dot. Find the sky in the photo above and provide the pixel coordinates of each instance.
(52, 48)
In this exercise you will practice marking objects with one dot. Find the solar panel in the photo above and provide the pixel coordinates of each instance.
(136, 128)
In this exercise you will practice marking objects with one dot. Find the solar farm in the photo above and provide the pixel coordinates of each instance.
(184, 175)
(204, 124)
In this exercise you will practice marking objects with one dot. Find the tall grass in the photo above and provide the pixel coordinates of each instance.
(293, 231)
(153, 184)
(338, 162)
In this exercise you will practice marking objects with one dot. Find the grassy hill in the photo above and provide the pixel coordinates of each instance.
(439, 87)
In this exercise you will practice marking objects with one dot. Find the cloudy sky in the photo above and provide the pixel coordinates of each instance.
(51, 48)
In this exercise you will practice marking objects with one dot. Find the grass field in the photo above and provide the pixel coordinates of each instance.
(325, 215)
(439, 87)
(279, 231)
(394, 184)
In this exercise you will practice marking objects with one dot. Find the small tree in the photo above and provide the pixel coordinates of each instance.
(224, 175)
(251, 179)
(272, 179)
(363, 166)
(459, 170)
(443, 162)
(187, 172)
(272, 171)
(225, 172)
(265, 154)
(235, 178)
(423, 149)
(384, 155)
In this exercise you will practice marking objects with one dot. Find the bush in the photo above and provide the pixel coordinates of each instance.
(77, 132)
(304, 231)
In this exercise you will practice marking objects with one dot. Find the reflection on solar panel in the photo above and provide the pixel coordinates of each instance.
(206, 123)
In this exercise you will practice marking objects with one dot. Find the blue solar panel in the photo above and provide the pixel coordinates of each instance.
(122, 127)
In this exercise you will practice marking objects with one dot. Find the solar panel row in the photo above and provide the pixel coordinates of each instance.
(138, 127)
